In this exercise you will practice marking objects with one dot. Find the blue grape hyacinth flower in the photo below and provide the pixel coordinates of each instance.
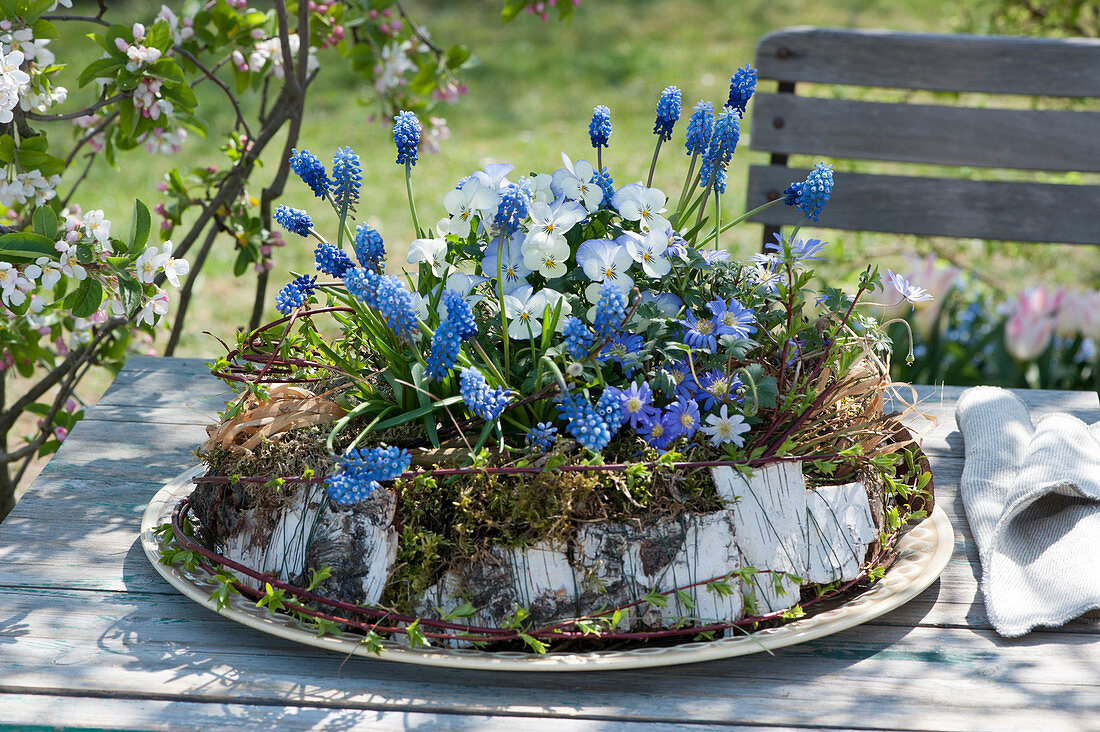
(668, 111)
(295, 294)
(406, 136)
(294, 220)
(811, 195)
(699, 128)
(346, 178)
(742, 86)
(599, 129)
(311, 170)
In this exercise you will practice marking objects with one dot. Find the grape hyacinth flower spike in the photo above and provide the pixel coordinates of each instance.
(742, 86)
(312, 172)
(406, 136)
(811, 195)
(599, 132)
(668, 112)
(347, 178)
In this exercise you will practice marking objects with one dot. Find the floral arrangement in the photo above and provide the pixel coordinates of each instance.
(566, 349)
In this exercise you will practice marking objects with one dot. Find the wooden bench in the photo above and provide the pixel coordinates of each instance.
(1015, 136)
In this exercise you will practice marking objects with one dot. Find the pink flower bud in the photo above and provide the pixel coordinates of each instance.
(61, 433)
(266, 250)
(71, 405)
(5, 24)
(44, 330)
(121, 45)
(162, 187)
(165, 225)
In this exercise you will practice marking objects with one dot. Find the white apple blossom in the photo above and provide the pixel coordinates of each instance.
(173, 268)
(148, 264)
(68, 262)
(637, 203)
(98, 227)
(51, 271)
(13, 285)
(153, 311)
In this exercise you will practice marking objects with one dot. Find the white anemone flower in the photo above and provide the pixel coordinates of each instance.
(637, 203)
(432, 251)
(526, 310)
(723, 428)
(550, 222)
(648, 251)
(473, 199)
(574, 181)
(513, 272)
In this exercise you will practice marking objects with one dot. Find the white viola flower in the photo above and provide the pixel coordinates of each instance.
(173, 268)
(494, 177)
(513, 272)
(464, 284)
(526, 310)
(51, 271)
(541, 187)
(432, 251)
(473, 199)
(98, 227)
(648, 251)
(724, 429)
(420, 306)
(550, 262)
(68, 263)
(574, 181)
(550, 223)
(637, 203)
(148, 264)
(603, 260)
(154, 310)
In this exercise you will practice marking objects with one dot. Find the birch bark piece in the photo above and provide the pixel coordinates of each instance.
(839, 531)
(770, 524)
(359, 544)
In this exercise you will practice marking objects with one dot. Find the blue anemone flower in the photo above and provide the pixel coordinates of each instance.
(700, 334)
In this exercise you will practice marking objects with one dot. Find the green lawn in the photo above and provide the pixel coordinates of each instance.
(530, 98)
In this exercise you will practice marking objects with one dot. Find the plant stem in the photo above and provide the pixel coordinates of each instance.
(412, 204)
(653, 164)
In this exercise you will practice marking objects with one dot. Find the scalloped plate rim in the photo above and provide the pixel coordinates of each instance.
(895, 589)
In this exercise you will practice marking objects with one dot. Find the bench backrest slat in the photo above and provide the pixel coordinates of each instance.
(928, 134)
(1060, 67)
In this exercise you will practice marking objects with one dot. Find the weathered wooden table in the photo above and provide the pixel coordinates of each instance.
(91, 636)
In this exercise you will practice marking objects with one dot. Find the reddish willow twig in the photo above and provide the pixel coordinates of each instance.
(484, 634)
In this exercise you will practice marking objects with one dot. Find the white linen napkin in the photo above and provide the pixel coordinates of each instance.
(1032, 497)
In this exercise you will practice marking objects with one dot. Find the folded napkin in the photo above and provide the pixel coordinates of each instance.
(1032, 496)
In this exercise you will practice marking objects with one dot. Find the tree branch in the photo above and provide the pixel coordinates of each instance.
(290, 79)
(221, 85)
(87, 138)
(188, 286)
(86, 18)
(82, 113)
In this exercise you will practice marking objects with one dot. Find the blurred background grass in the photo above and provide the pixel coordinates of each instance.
(530, 97)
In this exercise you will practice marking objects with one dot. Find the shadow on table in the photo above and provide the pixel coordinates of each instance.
(868, 670)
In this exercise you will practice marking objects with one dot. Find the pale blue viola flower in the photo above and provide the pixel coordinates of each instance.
(463, 285)
(576, 182)
(637, 203)
(525, 310)
(603, 260)
(648, 251)
(668, 306)
(513, 272)
(550, 222)
(463, 204)
(431, 251)
(548, 261)
(494, 177)
(542, 188)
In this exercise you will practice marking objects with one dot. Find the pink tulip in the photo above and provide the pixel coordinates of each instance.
(1031, 325)
(1079, 314)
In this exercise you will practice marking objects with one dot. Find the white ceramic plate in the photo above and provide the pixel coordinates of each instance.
(922, 555)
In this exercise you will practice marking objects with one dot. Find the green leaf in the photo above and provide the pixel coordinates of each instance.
(100, 69)
(512, 9)
(26, 246)
(129, 292)
(243, 260)
(86, 299)
(85, 254)
(7, 149)
(159, 36)
(126, 117)
(35, 160)
(44, 222)
(167, 69)
(456, 56)
(139, 227)
(45, 29)
(180, 95)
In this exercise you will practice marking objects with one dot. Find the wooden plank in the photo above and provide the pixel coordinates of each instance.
(166, 382)
(37, 711)
(1026, 139)
(1067, 67)
(1005, 210)
(876, 676)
